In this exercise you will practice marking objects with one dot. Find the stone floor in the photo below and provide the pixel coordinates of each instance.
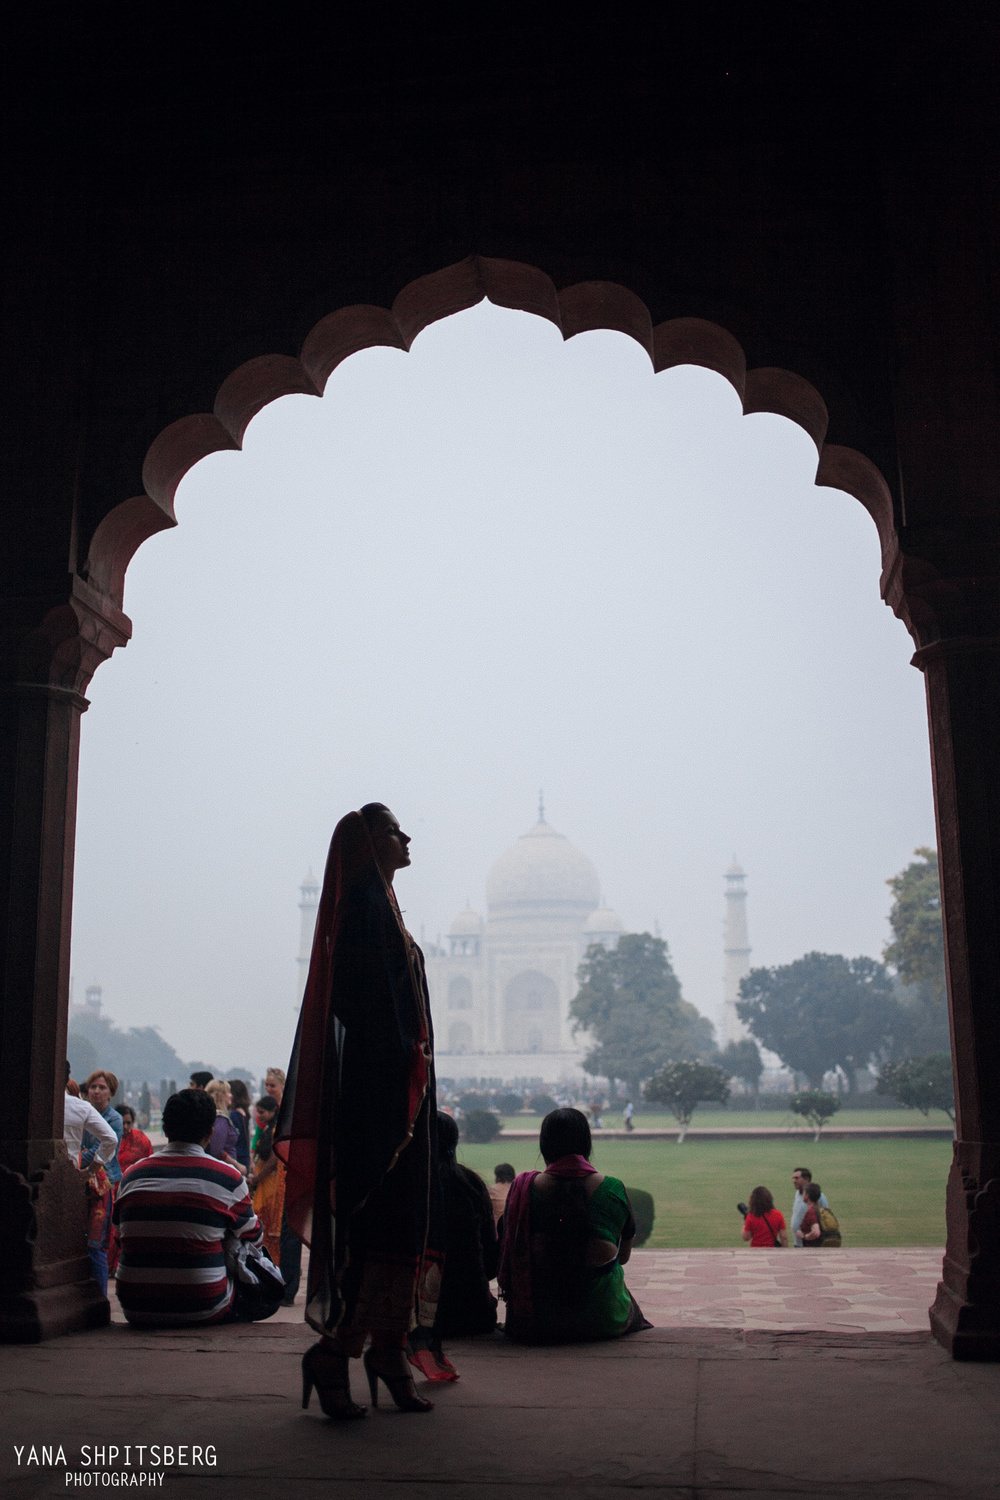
(672, 1413)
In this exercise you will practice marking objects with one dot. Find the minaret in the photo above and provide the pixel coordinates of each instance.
(736, 946)
(308, 906)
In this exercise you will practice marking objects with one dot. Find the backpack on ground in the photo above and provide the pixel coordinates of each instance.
(829, 1229)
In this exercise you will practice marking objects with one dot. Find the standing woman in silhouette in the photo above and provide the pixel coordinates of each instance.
(358, 1125)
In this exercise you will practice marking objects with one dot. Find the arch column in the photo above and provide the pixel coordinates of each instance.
(962, 677)
(49, 650)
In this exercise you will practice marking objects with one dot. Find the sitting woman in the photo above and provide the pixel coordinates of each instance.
(466, 1303)
(566, 1234)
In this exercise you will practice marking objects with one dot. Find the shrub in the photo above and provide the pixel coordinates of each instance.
(682, 1086)
(480, 1126)
(508, 1104)
(815, 1106)
(473, 1100)
(643, 1212)
(543, 1104)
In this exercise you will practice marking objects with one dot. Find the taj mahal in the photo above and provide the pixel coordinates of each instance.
(501, 987)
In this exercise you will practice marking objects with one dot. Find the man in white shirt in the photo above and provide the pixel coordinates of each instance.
(801, 1177)
(80, 1116)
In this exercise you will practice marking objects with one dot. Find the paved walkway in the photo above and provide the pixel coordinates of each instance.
(846, 1290)
(871, 1290)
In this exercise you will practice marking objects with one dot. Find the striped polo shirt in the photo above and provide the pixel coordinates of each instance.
(174, 1211)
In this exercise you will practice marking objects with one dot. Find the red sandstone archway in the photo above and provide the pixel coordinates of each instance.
(932, 607)
(582, 308)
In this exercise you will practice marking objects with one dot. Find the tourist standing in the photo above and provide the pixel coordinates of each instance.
(240, 1116)
(267, 1178)
(764, 1225)
(801, 1178)
(628, 1112)
(223, 1140)
(79, 1117)
(135, 1145)
(361, 1096)
(99, 1090)
(291, 1245)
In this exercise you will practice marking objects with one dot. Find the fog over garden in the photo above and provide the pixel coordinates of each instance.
(497, 563)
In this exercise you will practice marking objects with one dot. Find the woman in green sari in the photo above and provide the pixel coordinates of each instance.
(566, 1234)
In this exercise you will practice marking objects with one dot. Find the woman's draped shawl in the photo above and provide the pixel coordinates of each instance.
(514, 1273)
(361, 1068)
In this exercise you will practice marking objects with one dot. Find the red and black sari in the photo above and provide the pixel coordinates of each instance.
(357, 1127)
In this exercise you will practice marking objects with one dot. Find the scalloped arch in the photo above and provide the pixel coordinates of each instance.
(578, 309)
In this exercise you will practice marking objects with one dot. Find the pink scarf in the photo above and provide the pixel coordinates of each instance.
(570, 1166)
(514, 1273)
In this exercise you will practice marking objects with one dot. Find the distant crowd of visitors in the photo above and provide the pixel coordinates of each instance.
(235, 1196)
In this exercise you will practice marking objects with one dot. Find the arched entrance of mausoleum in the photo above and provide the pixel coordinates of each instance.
(951, 652)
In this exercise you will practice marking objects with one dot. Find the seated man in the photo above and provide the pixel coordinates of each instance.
(185, 1222)
(567, 1233)
(504, 1175)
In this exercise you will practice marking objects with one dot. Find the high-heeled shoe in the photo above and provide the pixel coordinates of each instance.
(328, 1371)
(399, 1386)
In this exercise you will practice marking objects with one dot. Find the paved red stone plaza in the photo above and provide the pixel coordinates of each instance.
(784, 1290)
(838, 1290)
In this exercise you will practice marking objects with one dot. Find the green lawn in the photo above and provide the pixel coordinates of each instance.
(883, 1192)
(767, 1119)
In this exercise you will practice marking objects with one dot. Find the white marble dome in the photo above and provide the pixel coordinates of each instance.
(542, 875)
(604, 921)
(467, 924)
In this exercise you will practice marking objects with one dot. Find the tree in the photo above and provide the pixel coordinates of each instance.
(917, 949)
(743, 1060)
(139, 1053)
(917, 954)
(816, 1107)
(630, 1001)
(822, 1012)
(682, 1085)
(923, 1083)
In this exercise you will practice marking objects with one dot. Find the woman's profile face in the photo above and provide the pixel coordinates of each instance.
(392, 845)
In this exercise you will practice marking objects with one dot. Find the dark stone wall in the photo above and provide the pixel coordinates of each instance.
(196, 187)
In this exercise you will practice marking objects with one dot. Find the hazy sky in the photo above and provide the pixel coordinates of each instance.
(494, 564)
